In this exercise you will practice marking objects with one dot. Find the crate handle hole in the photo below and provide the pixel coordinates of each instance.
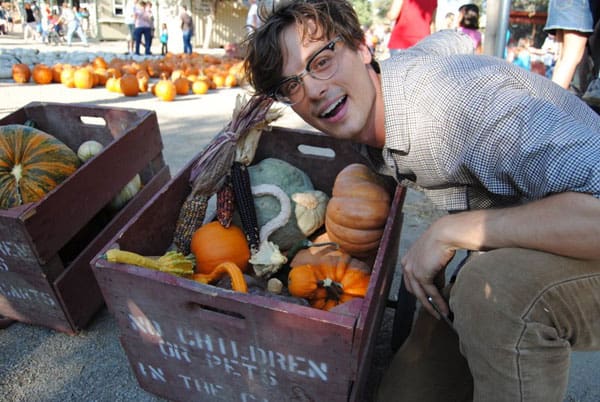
(194, 305)
(93, 121)
(321, 152)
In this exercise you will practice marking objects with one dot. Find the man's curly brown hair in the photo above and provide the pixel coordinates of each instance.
(264, 49)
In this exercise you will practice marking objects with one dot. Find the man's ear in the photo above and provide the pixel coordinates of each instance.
(365, 53)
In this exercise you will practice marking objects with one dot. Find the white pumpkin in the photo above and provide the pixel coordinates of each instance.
(127, 193)
(88, 149)
(310, 210)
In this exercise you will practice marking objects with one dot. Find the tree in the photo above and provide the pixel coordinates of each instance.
(364, 11)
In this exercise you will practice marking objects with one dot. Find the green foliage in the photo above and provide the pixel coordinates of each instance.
(364, 11)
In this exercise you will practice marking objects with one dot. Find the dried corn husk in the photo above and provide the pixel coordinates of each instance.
(250, 116)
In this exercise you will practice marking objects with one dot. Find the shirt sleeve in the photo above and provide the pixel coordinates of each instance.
(445, 43)
(529, 149)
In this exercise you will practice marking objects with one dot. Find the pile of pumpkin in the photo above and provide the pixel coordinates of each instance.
(166, 78)
(33, 163)
(318, 255)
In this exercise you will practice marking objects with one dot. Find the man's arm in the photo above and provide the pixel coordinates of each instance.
(566, 224)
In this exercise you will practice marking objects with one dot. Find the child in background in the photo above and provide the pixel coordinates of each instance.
(164, 38)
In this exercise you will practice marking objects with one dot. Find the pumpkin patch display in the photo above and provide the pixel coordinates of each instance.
(32, 163)
(357, 211)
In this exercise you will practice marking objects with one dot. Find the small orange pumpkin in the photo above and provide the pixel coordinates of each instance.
(213, 244)
(21, 73)
(328, 278)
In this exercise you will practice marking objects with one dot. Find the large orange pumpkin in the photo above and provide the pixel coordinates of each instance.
(21, 73)
(32, 163)
(41, 74)
(357, 211)
(213, 244)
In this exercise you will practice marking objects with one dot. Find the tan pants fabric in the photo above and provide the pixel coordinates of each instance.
(518, 313)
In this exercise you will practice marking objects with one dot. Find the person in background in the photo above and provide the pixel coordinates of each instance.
(513, 157)
(468, 23)
(187, 29)
(29, 24)
(69, 18)
(129, 14)
(572, 22)
(45, 16)
(143, 28)
(164, 39)
(413, 20)
(252, 20)
(449, 21)
(3, 21)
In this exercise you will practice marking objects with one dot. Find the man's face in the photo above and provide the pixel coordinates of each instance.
(341, 106)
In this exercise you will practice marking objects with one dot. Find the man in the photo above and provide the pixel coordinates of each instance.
(514, 157)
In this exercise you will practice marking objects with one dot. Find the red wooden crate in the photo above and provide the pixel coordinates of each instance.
(189, 341)
(46, 246)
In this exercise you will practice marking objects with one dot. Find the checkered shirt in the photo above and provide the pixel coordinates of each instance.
(477, 132)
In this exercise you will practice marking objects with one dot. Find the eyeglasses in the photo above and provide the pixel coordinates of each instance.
(321, 66)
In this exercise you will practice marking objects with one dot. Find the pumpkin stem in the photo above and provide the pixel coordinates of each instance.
(334, 289)
(17, 172)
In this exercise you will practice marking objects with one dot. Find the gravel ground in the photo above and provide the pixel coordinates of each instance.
(38, 364)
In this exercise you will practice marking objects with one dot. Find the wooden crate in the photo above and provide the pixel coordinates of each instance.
(189, 341)
(46, 246)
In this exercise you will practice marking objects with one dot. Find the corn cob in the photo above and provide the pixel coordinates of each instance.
(225, 203)
(190, 219)
(245, 204)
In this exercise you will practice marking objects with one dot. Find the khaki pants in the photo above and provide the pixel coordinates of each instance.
(518, 313)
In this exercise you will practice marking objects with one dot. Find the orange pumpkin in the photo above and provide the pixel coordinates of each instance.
(200, 87)
(357, 211)
(56, 71)
(67, 76)
(83, 78)
(182, 86)
(230, 81)
(129, 85)
(21, 73)
(328, 278)
(165, 90)
(42, 74)
(213, 244)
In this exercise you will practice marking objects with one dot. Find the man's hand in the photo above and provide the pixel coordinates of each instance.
(565, 224)
(424, 260)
